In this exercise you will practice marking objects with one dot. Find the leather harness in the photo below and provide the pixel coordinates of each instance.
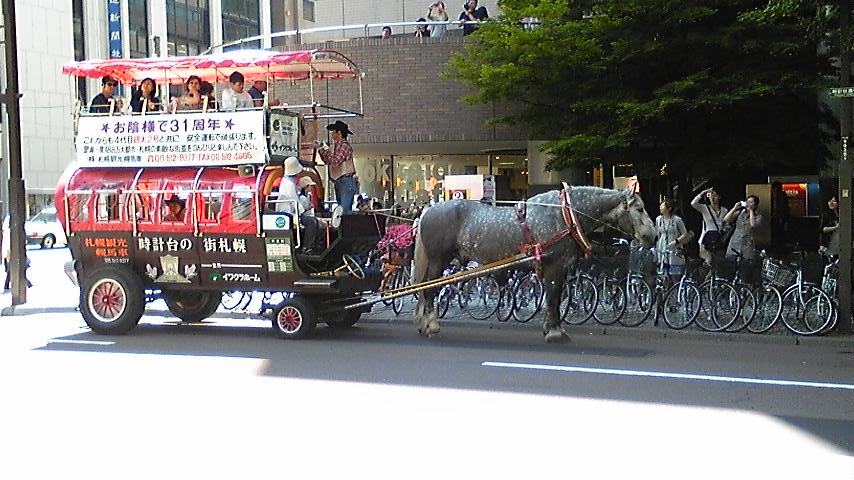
(573, 228)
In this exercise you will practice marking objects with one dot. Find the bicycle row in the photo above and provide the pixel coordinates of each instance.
(632, 286)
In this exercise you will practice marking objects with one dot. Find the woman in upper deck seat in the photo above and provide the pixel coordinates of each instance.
(147, 91)
(192, 99)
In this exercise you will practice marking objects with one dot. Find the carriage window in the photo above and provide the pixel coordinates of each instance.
(242, 203)
(108, 207)
(211, 206)
(78, 207)
(142, 205)
(174, 208)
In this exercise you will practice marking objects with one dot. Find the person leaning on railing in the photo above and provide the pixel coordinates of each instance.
(436, 13)
(145, 94)
(234, 97)
(101, 102)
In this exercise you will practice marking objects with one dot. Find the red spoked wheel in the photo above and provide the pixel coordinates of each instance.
(112, 300)
(294, 319)
(108, 300)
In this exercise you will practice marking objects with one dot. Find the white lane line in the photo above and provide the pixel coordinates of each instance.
(681, 376)
(83, 342)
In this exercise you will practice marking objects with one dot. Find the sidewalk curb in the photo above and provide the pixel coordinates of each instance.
(650, 333)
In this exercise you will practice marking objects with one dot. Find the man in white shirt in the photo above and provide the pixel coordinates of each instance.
(290, 193)
(234, 97)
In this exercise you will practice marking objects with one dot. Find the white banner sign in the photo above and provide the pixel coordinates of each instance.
(181, 139)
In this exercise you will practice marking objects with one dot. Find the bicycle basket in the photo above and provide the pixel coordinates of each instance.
(724, 267)
(812, 268)
(749, 271)
(776, 273)
(641, 260)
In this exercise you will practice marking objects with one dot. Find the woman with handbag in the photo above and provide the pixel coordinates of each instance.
(708, 203)
(746, 217)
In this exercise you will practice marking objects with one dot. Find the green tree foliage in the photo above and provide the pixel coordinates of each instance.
(698, 86)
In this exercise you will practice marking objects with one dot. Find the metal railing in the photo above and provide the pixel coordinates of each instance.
(366, 28)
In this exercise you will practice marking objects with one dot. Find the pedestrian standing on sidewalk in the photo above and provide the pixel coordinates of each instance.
(672, 234)
(746, 217)
(829, 237)
(708, 203)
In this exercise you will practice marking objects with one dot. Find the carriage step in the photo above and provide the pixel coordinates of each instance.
(316, 283)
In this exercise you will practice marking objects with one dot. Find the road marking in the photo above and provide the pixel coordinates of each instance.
(681, 376)
(83, 342)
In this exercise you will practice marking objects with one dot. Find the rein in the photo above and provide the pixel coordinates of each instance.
(572, 209)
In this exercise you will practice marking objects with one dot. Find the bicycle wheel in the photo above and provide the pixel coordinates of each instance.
(527, 298)
(682, 303)
(505, 303)
(578, 301)
(769, 304)
(806, 310)
(482, 297)
(387, 283)
(748, 309)
(639, 301)
(399, 280)
(612, 302)
(443, 300)
(720, 305)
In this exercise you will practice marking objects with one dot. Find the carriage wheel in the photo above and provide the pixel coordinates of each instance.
(112, 300)
(295, 319)
(192, 306)
(347, 319)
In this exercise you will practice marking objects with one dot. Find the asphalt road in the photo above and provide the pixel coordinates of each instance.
(226, 399)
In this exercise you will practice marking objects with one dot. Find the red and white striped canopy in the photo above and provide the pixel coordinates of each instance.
(253, 64)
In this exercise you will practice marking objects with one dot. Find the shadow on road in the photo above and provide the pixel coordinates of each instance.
(394, 354)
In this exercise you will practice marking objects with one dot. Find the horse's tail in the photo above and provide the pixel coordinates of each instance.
(419, 260)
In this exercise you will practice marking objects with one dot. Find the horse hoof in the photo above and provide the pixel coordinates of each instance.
(433, 328)
(555, 336)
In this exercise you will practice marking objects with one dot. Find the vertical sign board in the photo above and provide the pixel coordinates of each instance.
(114, 28)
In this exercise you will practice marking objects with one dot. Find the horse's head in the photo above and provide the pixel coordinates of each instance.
(632, 218)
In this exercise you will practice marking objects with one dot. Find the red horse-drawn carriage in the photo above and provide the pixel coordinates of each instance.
(222, 167)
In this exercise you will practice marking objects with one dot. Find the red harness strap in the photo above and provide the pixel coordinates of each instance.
(573, 228)
(572, 224)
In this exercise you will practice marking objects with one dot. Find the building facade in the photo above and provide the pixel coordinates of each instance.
(415, 129)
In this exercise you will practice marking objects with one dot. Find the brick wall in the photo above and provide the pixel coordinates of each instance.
(406, 100)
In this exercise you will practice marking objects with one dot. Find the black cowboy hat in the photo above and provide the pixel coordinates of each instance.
(339, 126)
(175, 199)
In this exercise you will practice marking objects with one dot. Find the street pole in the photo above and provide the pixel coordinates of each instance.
(17, 195)
(845, 190)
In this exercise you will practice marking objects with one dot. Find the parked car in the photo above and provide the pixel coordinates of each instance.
(44, 229)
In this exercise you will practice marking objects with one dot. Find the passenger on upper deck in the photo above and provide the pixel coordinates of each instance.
(207, 90)
(176, 209)
(146, 91)
(234, 97)
(101, 102)
(192, 99)
(257, 93)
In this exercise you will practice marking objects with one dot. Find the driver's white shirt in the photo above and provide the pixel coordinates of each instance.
(288, 191)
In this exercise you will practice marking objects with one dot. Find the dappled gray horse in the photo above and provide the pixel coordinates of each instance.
(469, 230)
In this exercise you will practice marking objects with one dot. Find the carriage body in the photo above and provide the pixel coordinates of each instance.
(223, 166)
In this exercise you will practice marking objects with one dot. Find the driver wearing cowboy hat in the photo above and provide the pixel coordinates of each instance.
(342, 170)
(292, 193)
